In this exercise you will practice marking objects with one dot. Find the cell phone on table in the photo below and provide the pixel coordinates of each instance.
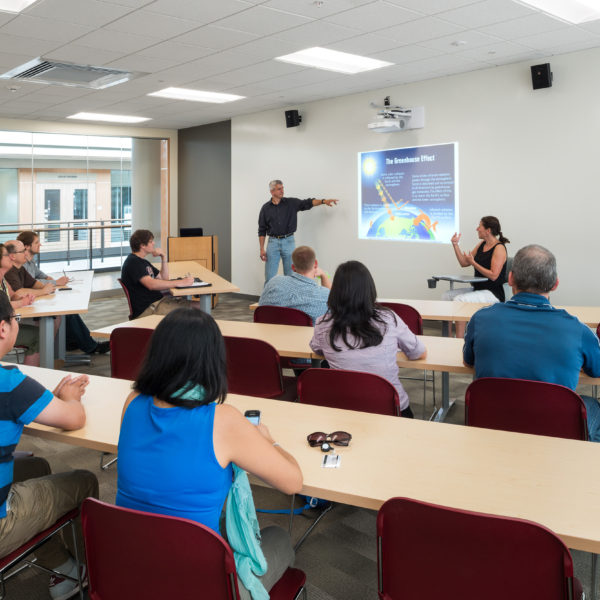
(253, 416)
(64, 289)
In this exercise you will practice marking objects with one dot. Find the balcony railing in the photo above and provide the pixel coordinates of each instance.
(77, 244)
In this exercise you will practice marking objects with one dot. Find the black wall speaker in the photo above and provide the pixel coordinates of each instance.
(292, 118)
(541, 76)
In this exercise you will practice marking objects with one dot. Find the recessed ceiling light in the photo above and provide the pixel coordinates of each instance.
(458, 43)
(85, 116)
(195, 95)
(15, 6)
(332, 60)
(573, 11)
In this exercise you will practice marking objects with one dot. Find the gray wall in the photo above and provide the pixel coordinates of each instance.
(205, 184)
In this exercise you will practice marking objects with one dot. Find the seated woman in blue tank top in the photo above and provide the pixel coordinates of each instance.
(178, 439)
(488, 259)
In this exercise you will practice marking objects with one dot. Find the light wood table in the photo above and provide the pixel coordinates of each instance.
(65, 302)
(218, 285)
(540, 478)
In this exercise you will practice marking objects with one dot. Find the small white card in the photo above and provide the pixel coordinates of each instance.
(331, 461)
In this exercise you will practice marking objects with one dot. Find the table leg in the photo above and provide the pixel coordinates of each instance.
(61, 338)
(594, 575)
(47, 342)
(446, 327)
(205, 303)
(447, 405)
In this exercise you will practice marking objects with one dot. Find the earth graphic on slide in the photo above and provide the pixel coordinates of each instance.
(399, 226)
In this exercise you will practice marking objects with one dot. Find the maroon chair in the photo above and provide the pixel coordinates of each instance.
(127, 296)
(254, 369)
(525, 406)
(20, 554)
(412, 317)
(134, 554)
(474, 556)
(351, 390)
(128, 347)
(282, 315)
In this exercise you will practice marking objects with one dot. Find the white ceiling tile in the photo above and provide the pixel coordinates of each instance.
(365, 45)
(417, 31)
(493, 52)
(255, 73)
(143, 22)
(406, 54)
(91, 12)
(443, 62)
(592, 27)
(531, 55)
(264, 48)
(553, 39)
(23, 45)
(97, 57)
(8, 60)
(430, 7)
(523, 27)
(317, 33)
(312, 9)
(145, 64)
(6, 17)
(103, 38)
(372, 17)
(486, 13)
(201, 12)
(44, 29)
(219, 38)
(174, 51)
(262, 21)
(130, 3)
(460, 41)
(254, 90)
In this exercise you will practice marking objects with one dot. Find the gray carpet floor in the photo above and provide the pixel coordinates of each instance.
(339, 557)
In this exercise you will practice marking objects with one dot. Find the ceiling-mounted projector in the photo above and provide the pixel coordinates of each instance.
(396, 118)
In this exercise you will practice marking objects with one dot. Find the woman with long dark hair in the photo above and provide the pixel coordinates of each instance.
(358, 334)
(488, 259)
(178, 439)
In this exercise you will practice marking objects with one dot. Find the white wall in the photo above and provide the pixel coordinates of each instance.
(529, 157)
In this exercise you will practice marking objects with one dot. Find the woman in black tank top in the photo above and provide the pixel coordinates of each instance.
(488, 259)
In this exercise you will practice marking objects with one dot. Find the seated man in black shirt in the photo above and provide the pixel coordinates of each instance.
(147, 286)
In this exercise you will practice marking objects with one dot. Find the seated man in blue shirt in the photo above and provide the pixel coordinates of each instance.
(31, 499)
(300, 290)
(527, 338)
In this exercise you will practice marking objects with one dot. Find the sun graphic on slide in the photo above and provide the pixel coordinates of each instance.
(369, 166)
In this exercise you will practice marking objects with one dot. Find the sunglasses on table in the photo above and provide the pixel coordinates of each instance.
(338, 438)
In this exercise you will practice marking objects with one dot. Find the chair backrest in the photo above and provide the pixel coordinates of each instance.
(526, 406)
(475, 555)
(598, 330)
(408, 314)
(351, 390)
(253, 367)
(133, 554)
(128, 347)
(126, 296)
(281, 315)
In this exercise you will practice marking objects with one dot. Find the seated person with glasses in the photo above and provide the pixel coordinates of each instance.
(179, 439)
(29, 337)
(20, 279)
(31, 499)
(358, 334)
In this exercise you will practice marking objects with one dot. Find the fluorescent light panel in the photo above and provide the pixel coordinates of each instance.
(15, 6)
(195, 95)
(573, 11)
(332, 60)
(84, 116)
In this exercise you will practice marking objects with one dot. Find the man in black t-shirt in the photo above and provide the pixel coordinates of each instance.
(147, 286)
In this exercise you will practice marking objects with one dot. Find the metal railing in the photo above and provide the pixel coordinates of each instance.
(62, 242)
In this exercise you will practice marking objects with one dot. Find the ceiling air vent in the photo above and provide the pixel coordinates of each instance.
(42, 70)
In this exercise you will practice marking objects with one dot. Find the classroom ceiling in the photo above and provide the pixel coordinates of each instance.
(229, 46)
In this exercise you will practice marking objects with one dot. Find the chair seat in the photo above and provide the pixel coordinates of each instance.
(15, 555)
(291, 582)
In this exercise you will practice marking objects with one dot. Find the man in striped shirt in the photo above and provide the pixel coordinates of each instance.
(31, 499)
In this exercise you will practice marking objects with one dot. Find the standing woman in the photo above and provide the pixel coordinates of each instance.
(488, 259)
(358, 334)
(178, 439)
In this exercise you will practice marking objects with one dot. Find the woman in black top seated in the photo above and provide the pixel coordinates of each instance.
(488, 259)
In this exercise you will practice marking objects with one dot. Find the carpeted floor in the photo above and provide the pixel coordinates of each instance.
(339, 557)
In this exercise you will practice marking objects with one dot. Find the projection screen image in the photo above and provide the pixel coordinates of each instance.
(409, 194)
